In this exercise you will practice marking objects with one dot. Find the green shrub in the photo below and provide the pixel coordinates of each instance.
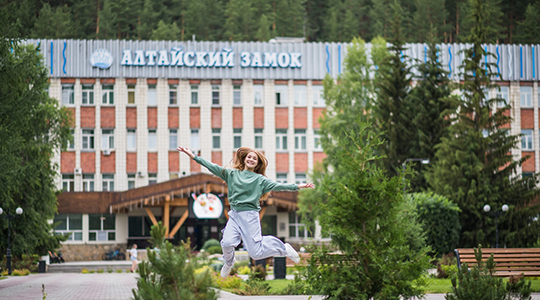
(4, 273)
(228, 283)
(447, 266)
(210, 243)
(118, 270)
(100, 271)
(254, 287)
(242, 263)
(92, 271)
(85, 271)
(245, 270)
(109, 269)
(20, 272)
(257, 272)
(296, 287)
(214, 250)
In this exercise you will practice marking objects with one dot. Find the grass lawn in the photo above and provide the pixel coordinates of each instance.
(443, 286)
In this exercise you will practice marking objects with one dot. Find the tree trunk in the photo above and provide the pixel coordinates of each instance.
(97, 22)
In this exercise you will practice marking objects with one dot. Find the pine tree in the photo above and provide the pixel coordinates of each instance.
(107, 21)
(85, 14)
(289, 16)
(147, 21)
(55, 23)
(392, 110)
(527, 30)
(380, 14)
(493, 27)
(263, 33)
(474, 165)
(316, 12)
(241, 22)
(166, 32)
(430, 16)
(209, 28)
(346, 20)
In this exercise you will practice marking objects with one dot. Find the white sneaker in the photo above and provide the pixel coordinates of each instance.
(226, 269)
(292, 254)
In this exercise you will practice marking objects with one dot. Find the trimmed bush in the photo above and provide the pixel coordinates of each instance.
(214, 250)
(228, 283)
(20, 272)
(118, 270)
(211, 243)
(100, 271)
(85, 271)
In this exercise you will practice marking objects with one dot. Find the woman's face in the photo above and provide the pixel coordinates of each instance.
(251, 161)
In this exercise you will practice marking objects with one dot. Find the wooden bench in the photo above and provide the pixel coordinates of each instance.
(508, 262)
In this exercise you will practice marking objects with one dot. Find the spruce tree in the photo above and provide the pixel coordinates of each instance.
(55, 23)
(429, 18)
(240, 23)
(380, 15)
(147, 21)
(527, 30)
(473, 164)
(290, 17)
(165, 32)
(493, 28)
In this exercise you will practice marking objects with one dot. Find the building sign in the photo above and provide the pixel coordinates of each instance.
(207, 206)
(202, 59)
(102, 59)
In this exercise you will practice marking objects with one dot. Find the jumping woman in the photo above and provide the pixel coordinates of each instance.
(247, 185)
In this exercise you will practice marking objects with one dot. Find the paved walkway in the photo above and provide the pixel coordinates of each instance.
(106, 286)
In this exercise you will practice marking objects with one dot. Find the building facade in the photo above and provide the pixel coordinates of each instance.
(134, 102)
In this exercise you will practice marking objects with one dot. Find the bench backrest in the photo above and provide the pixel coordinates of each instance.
(509, 261)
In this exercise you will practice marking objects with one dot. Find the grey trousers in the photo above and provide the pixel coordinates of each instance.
(245, 225)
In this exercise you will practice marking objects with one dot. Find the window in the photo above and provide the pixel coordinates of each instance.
(69, 224)
(300, 95)
(68, 94)
(317, 140)
(88, 182)
(318, 95)
(258, 138)
(107, 94)
(88, 94)
(195, 144)
(108, 182)
(131, 140)
(173, 176)
(68, 182)
(101, 227)
(152, 140)
(131, 94)
(215, 95)
(300, 178)
(299, 139)
(131, 181)
(173, 139)
(71, 145)
(152, 95)
(107, 139)
(281, 177)
(237, 137)
(173, 94)
(281, 95)
(194, 95)
(525, 94)
(139, 226)
(297, 228)
(281, 139)
(485, 133)
(502, 94)
(88, 139)
(257, 94)
(216, 138)
(527, 139)
(237, 95)
(152, 178)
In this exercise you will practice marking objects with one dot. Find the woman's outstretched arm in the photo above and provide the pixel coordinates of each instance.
(212, 167)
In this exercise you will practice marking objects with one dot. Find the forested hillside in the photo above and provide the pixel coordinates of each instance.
(510, 21)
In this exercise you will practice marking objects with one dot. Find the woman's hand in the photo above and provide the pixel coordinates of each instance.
(306, 186)
(186, 150)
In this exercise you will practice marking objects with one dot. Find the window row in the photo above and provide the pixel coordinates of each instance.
(101, 227)
(107, 95)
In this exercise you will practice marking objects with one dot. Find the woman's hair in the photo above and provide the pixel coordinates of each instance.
(239, 163)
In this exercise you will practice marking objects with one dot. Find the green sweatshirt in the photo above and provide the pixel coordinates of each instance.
(245, 187)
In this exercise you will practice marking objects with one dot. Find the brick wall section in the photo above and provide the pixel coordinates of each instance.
(194, 166)
(174, 161)
(282, 162)
(131, 162)
(173, 117)
(528, 165)
(107, 80)
(317, 113)
(88, 80)
(195, 117)
(318, 157)
(282, 118)
(300, 117)
(152, 117)
(108, 163)
(507, 113)
(67, 80)
(300, 162)
(88, 117)
(152, 162)
(527, 118)
(67, 162)
(258, 117)
(108, 118)
(131, 80)
(238, 117)
(72, 116)
(88, 162)
(216, 117)
(217, 157)
(131, 117)
(151, 81)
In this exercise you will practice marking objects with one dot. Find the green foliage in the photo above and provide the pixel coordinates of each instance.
(32, 127)
(227, 283)
(479, 283)
(258, 272)
(492, 15)
(118, 270)
(211, 243)
(172, 275)
(254, 287)
(20, 272)
(446, 271)
(157, 235)
(214, 250)
(85, 271)
(429, 20)
(527, 30)
(100, 270)
(55, 23)
(296, 287)
(244, 270)
(166, 32)
(440, 221)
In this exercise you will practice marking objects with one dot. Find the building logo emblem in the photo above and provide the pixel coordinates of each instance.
(207, 206)
(101, 58)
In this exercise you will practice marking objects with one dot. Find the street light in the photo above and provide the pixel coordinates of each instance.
(496, 213)
(424, 161)
(9, 216)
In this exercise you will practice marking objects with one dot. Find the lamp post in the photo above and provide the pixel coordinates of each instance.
(9, 216)
(496, 213)
(424, 161)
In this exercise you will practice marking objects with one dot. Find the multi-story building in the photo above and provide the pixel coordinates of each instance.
(134, 102)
